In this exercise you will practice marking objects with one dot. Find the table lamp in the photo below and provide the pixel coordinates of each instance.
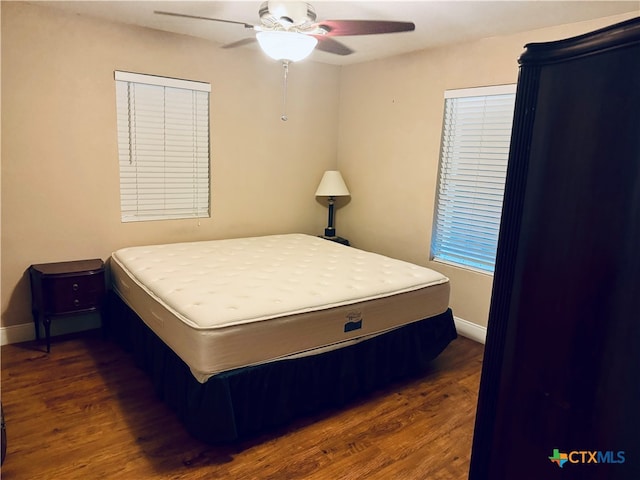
(332, 185)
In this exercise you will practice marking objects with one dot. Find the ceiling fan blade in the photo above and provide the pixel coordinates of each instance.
(327, 44)
(239, 43)
(198, 17)
(364, 27)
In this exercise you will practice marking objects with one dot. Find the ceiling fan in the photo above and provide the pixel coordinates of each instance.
(284, 24)
(288, 31)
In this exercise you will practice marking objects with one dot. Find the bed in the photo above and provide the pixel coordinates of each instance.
(243, 335)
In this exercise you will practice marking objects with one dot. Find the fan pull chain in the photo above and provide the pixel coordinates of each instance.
(285, 66)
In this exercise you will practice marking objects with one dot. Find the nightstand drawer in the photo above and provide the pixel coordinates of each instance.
(71, 293)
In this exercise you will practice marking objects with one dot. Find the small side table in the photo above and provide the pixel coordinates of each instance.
(65, 288)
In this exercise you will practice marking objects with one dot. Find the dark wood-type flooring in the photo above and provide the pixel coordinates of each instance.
(85, 411)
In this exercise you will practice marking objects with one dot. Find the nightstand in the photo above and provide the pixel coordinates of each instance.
(65, 288)
(341, 240)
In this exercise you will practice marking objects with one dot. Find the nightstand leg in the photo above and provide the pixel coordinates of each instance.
(47, 331)
(36, 316)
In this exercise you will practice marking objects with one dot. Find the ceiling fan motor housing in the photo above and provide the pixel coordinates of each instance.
(287, 15)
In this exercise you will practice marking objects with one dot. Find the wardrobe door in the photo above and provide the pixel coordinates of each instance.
(562, 359)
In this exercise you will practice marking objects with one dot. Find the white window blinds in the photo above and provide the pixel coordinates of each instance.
(163, 146)
(473, 164)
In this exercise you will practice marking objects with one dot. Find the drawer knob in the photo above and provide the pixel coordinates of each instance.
(76, 302)
(75, 287)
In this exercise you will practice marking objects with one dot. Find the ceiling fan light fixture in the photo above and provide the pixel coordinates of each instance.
(290, 46)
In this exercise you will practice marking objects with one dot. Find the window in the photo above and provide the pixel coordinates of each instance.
(473, 164)
(163, 146)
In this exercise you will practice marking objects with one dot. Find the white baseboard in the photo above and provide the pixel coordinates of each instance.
(470, 330)
(17, 333)
(25, 332)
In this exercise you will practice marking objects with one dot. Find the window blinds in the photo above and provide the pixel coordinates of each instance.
(163, 145)
(473, 164)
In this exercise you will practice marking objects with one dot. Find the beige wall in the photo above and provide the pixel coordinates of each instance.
(379, 122)
(60, 193)
(390, 125)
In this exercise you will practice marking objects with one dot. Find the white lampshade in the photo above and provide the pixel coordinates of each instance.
(332, 185)
(291, 46)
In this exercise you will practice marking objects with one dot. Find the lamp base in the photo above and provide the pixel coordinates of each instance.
(329, 232)
(340, 240)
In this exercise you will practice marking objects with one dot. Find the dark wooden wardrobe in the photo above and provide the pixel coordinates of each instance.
(562, 358)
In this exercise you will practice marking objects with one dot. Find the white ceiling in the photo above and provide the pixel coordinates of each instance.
(437, 22)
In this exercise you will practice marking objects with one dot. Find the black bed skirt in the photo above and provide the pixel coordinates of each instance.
(243, 402)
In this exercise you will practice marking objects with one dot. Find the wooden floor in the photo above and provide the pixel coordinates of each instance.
(86, 412)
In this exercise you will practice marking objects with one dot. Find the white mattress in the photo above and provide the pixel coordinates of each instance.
(224, 304)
